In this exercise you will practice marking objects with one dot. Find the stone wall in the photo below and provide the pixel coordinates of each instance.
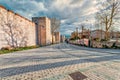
(57, 37)
(109, 44)
(15, 30)
(62, 38)
(43, 30)
(48, 31)
(4, 12)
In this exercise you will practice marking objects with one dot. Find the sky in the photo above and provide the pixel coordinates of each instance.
(72, 13)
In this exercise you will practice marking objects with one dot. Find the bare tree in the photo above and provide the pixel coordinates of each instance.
(107, 14)
(14, 35)
(97, 22)
(55, 26)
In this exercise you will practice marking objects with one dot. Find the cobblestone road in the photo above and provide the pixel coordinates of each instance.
(56, 62)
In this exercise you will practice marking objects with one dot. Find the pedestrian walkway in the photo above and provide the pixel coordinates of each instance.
(112, 51)
(57, 62)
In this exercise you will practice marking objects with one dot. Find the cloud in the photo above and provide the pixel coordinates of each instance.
(72, 13)
(26, 8)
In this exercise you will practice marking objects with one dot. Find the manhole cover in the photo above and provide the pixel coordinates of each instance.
(77, 76)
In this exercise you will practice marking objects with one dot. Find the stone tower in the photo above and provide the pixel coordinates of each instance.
(43, 30)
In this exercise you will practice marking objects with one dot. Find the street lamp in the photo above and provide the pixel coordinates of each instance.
(90, 38)
(77, 33)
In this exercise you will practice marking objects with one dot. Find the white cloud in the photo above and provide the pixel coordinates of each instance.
(72, 13)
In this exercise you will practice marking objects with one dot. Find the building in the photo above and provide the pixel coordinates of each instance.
(15, 30)
(18, 31)
(115, 34)
(43, 30)
(74, 34)
(62, 38)
(84, 34)
(57, 37)
(98, 34)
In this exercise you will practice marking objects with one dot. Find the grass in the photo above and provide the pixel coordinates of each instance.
(17, 49)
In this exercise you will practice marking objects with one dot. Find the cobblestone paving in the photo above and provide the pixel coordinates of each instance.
(56, 62)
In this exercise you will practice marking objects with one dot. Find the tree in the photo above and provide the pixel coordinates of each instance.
(55, 26)
(108, 13)
(14, 34)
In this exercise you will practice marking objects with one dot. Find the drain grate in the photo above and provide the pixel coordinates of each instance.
(77, 76)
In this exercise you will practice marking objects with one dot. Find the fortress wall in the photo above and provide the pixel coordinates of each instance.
(22, 29)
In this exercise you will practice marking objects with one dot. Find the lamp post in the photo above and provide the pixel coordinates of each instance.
(77, 34)
(90, 38)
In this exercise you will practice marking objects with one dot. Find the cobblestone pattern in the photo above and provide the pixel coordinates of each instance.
(56, 62)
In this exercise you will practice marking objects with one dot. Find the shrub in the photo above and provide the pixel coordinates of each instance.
(104, 40)
(96, 39)
(6, 48)
(105, 46)
(10, 49)
(75, 38)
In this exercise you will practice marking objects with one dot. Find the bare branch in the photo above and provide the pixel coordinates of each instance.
(108, 12)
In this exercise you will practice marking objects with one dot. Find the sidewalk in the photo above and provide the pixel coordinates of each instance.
(111, 51)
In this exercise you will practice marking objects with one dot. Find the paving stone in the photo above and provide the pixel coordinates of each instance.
(56, 62)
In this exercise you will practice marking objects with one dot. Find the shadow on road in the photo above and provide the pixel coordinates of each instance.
(20, 70)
